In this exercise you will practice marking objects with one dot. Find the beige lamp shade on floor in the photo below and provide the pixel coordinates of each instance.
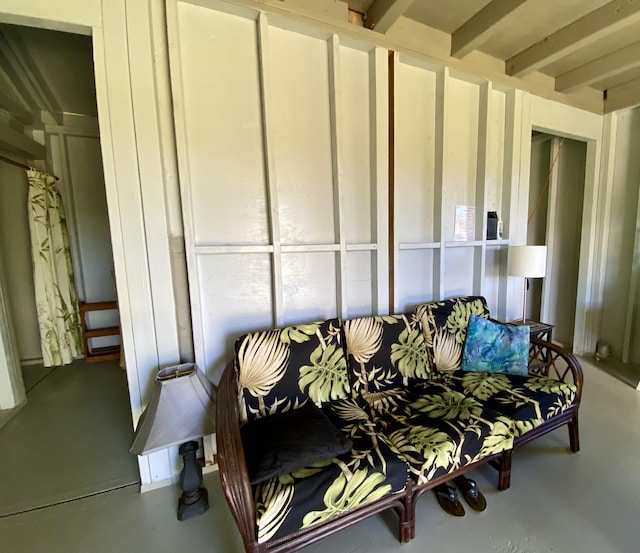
(182, 408)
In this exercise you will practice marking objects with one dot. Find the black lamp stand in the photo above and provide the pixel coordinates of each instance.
(194, 499)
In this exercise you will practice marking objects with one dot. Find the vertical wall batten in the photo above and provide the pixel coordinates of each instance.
(394, 257)
(484, 109)
(380, 162)
(442, 85)
(510, 185)
(270, 168)
(335, 107)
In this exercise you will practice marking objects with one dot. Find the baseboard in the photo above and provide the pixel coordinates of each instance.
(7, 414)
(144, 488)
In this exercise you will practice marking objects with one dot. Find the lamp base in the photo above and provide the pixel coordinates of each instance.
(194, 499)
(193, 503)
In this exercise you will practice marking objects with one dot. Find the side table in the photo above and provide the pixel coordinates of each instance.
(542, 331)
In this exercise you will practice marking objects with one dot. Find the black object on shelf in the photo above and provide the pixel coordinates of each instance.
(492, 225)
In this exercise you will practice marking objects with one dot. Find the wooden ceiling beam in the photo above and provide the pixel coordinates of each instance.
(604, 21)
(624, 59)
(622, 96)
(26, 75)
(382, 14)
(16, 110)
(19, 143)
(475, 32)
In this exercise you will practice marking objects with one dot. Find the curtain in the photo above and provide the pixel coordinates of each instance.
(56, 298)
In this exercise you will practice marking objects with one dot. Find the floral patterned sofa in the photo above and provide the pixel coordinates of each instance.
(321, 425)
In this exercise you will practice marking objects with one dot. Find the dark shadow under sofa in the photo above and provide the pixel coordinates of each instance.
(407, 419)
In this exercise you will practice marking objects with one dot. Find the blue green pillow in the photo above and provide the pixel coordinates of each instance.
(495, 347)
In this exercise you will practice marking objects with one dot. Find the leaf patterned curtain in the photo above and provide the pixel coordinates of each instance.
(56, 299)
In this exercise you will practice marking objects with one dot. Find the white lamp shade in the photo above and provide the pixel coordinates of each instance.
(527, 261)
(182, 408)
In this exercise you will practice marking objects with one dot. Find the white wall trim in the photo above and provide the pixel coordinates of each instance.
(561, 120)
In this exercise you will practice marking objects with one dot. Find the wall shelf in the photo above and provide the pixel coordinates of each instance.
(99, 354)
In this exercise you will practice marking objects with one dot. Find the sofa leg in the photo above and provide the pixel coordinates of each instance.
(407, 517)
(574, 434)
(504, 474)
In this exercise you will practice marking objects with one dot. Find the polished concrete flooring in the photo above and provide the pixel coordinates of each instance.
(558, 503)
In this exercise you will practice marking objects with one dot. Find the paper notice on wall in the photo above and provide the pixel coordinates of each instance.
(465, 224)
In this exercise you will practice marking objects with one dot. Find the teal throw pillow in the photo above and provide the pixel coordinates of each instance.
(495, 347)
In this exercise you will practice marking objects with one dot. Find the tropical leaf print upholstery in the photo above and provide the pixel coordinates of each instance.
(437, 430)
(527, 400)
(385, 352)
(282, 369)
(369, 471)
(444, 324)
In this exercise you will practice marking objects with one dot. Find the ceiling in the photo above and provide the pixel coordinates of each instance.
(43, 70)
(582, 45)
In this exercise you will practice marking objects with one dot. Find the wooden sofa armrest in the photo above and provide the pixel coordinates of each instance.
(548, 359)
(231, 461)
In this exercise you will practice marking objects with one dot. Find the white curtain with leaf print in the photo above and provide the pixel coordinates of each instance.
(56, 298)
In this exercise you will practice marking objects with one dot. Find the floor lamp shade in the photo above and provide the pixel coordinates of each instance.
(527, 261)
(182, 408)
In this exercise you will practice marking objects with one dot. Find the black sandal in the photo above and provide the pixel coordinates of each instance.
(448, 500)
(471, 494)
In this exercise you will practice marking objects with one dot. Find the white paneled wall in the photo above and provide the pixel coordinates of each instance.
(283, 152)
(449, 141)
(282, 140)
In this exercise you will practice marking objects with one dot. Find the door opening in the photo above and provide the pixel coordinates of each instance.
(556, 198)
(79, 413)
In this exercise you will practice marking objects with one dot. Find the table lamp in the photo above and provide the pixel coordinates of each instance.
(181, 410)
(527, 262)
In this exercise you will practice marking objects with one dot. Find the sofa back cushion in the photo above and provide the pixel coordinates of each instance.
(282, 369)
(444, 324)
(385, 352)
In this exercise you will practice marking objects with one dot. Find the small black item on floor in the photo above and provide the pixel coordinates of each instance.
(470, 492)
(194, 499)
(448, 500)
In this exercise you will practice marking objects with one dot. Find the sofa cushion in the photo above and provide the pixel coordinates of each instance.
(444, 324)
(313, 494)
(285, 442)
(496, 347)
(437, 430)
(385, 352)
(281, 369)
(527, 400)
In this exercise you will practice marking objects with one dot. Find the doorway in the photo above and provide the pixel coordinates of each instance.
(555, 212)
(48, 82)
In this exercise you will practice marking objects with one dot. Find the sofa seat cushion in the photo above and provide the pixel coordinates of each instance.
(282, 369)
(444, 324)
(385, 352)
(314, 494)
(437, 430)
(527, 400)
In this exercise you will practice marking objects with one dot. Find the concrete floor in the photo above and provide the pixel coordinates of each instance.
(558, 503)
(70, 440)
